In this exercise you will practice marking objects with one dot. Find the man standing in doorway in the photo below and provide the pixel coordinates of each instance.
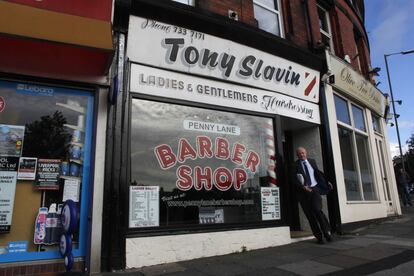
(310, 184)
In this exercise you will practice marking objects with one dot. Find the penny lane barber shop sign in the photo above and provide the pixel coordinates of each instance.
(171, 47)
(220, 148)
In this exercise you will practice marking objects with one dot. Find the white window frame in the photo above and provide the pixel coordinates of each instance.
(328, 24)
(275, 11)
(185, 2)
(354, 149)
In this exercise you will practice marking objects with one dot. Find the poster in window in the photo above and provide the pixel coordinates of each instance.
(144, 206)
(11, 140)
(270, 203)
(27, 168)
(8, 178)
(47, 176)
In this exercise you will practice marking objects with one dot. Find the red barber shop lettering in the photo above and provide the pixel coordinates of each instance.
(205, 178)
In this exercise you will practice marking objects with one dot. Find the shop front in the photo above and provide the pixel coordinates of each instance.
(203, 143)
(53, 93)
(362, 161)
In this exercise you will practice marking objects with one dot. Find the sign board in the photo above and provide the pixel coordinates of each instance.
(176, 48)
(11, 140)
(157, 82)
(8, 178)
(144, 206)
(48, 171)
(351, 83)
(27, 168)
(270, 203)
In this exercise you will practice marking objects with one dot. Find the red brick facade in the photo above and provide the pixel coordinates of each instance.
(301, 25)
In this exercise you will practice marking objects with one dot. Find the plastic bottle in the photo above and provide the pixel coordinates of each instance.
(40, 226)
(52, 229)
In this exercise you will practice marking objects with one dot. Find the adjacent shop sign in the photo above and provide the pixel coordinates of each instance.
(144, 206)
(356, 86)
(172, 47)
(157, 82)
(8, 178)
(270, 203)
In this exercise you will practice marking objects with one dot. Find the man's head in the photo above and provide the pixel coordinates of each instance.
(301, 153)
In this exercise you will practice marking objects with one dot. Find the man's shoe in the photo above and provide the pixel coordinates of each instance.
(320, 241)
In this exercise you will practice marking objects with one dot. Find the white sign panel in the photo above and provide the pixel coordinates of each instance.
(270, 203)
(353, 84)
(157, 82)
(144, 206)
(8, 179)
(211, 127)
(172, 47)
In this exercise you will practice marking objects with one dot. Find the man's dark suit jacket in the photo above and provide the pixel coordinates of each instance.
(319, 177)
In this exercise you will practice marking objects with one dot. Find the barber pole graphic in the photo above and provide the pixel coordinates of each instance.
(270, 151)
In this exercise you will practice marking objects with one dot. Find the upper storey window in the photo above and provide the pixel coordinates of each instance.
(268, 16)
(187, 2)
(325, 27)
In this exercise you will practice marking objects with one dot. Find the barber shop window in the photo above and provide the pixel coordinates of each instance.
(355, 151)
(268, 15)
(195, 167)
(45, 145)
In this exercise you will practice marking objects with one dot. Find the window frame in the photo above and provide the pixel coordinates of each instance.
(274, 11)
(354, 149)
(203, 228)
(86, 181)
(328, 24)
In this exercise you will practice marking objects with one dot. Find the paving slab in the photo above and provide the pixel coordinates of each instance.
(374, 252)
(270, 272)
(309, 268)
(162, 269)
(340, 260)
(359, 241)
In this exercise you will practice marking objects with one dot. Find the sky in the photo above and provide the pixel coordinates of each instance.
(390, 28)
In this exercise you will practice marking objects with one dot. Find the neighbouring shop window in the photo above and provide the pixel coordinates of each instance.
(355, 151)
(192, 166)
(268, 16)
(45, 138)
(325, 28)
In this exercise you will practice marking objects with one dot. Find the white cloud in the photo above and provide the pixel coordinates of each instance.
(395, 150)
(406, 124)
(390, 34)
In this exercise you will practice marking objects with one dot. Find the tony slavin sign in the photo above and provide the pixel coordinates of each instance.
(172, 47)
(163, 83)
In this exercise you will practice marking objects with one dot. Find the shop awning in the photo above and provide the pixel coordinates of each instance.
(51, 44)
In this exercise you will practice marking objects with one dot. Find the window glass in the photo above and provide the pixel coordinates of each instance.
(365, 168)
(358, 115)
(376, 124)
(45, 135)
(267, 20)
(323, 23)
(353, 191)
(271, 4)
(342, 112)
(187, 2)
(209, 167)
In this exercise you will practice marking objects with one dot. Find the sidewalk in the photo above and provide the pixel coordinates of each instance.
(384, 248)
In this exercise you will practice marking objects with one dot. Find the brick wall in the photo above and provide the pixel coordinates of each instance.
(299, 29)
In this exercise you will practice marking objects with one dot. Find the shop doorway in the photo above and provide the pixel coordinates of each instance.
(296, 134)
